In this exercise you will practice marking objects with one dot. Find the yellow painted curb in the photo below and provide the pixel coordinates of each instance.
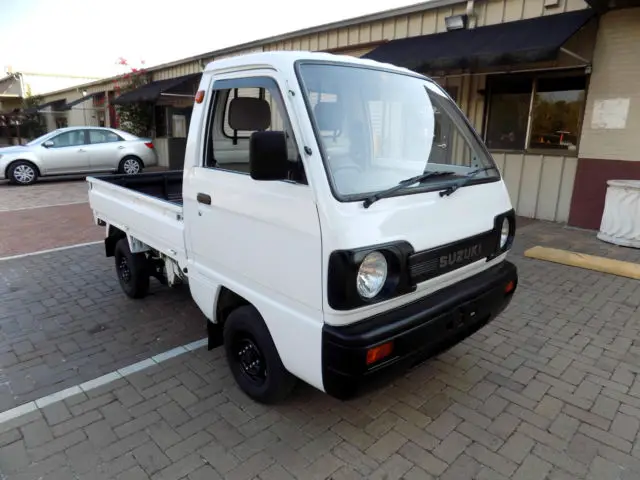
(581, 260)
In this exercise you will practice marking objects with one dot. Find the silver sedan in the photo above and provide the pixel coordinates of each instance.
(76, 150)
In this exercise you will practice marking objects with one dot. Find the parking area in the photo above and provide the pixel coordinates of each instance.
(548, 390)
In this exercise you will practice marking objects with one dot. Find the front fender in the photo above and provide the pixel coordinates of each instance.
(7, 160)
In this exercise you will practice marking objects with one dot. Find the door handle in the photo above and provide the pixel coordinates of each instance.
(204, 198)
(82, 150)
(120, 147)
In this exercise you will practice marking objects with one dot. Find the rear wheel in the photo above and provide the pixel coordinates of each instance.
(253, 357)
(23, 173)
(130, 166)
(132, 270)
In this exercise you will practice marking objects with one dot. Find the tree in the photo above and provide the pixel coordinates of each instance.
(137, 117)
(32, 124)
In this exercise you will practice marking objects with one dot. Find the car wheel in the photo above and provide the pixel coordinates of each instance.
(253, 358)
(130, 166)
(132, 270)
(23, 173)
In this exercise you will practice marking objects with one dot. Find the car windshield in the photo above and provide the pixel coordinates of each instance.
(377, 128)
(38, 140)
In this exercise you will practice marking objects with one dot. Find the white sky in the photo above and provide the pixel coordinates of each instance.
(86, 37)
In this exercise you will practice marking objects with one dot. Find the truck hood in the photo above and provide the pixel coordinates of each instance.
(425, 220)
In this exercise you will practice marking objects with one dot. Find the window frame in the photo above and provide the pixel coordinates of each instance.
(535, 77)
(261, 81)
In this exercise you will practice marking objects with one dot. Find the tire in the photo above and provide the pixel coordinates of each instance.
(246, 334)
(22, 173)
(132, 270)
(130, 166)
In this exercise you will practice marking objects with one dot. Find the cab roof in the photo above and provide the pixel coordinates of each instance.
(281, 60)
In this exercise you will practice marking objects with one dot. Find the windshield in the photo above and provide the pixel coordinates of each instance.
(377, 128)
(38, 140)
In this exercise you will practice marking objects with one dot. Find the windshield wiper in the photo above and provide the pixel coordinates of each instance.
(404, 183)
(467, 178)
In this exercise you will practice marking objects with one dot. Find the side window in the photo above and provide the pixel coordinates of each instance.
(69, 139)
(238, 109)
(103, 136)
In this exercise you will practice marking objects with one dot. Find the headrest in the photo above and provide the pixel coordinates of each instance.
(328, 115)
(249, 113)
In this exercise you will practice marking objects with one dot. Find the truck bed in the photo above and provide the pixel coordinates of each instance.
(147, 207)
(163, 185)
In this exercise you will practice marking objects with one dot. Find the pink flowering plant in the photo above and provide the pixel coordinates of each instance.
(135, 117)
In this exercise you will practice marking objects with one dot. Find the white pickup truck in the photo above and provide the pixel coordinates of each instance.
(337, 219)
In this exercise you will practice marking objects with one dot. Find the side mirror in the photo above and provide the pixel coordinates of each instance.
(268, 156)
(48, 143)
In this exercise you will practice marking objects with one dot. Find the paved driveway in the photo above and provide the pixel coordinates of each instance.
(548, 390)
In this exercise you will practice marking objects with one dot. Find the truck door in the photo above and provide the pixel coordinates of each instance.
(263, 236)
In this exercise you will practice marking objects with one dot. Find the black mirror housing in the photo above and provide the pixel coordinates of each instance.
(268, 156)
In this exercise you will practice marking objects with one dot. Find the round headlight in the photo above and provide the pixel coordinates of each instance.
(372, 275)
(504, 234)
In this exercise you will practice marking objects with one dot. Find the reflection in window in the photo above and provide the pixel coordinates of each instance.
(508, 113)
(555, 118)
(556, 113)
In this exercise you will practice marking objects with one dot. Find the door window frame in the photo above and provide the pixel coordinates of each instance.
(84, 133)
(259, 80)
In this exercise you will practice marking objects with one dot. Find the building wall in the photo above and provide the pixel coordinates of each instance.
(540, 186)
(609, 141)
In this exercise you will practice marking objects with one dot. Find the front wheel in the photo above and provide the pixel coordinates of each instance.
(253, 358)
(23, 173)
(132, 270)
(130, 166)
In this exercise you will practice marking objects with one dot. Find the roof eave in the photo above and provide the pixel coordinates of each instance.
(372, 17)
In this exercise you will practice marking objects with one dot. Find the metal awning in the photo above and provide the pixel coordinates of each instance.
(38, 108)
(603, 6)
(150, 92)
(80, 100)
(523, 41)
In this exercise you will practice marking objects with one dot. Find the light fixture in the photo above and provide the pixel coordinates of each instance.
(456, 22)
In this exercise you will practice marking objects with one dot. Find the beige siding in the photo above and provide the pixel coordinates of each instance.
(178, 71)
(539, 186)
(423, 23)
(616, 75)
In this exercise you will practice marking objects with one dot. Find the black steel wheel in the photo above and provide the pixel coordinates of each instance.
(132, 270)
(253, 357)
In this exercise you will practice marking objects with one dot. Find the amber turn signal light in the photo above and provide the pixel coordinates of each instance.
(199, 96)
(375, 354)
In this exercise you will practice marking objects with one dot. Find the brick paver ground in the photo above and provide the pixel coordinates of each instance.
(37, 229)
(65, 320)
(549, 390)
(42, 194)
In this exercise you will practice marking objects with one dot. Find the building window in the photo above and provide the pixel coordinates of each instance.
(557, 108)
(550, 122)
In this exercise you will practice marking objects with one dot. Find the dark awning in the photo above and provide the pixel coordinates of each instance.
(603, 6)
(70, 105)
(150, 92)
(523, 41)
(37, 108)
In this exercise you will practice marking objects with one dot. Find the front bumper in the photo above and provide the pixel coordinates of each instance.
(418, 330)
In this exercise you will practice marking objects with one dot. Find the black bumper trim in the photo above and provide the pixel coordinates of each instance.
(419, 330)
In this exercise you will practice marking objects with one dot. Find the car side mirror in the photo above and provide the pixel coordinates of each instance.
(48, 143)
(268, 156)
